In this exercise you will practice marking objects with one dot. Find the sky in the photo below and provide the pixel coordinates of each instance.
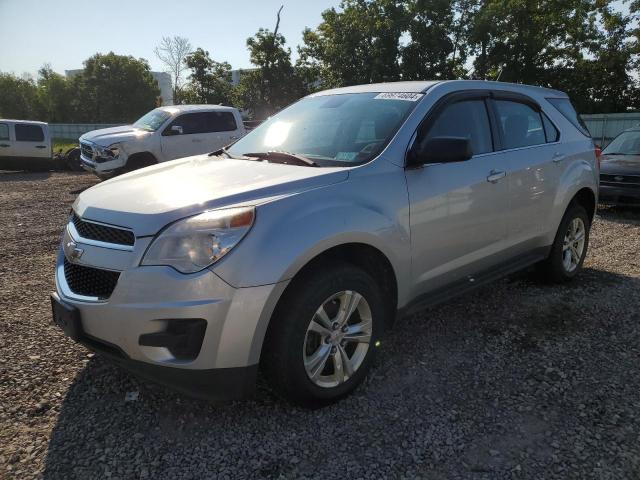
(64, 33)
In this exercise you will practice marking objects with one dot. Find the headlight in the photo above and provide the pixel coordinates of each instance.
(111, 152)
(194, 243)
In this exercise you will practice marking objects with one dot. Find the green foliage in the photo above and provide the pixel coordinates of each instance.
(19, 98)
(116, 88)
(274, 83)
(210, 81)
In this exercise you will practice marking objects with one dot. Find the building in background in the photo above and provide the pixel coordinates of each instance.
(163, 79)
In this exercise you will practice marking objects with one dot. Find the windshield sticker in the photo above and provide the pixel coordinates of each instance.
(409, 97)
(346, 156)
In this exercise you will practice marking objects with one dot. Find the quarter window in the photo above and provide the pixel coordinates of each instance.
(29, 133)
(521, 125)
(550, 130)
(467, 119)
(4, 131)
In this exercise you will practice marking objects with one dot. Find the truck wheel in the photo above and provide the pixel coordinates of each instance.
(323, 335)
(138, 161)
(569, 248)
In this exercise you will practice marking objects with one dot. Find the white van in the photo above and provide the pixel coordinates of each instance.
(165, 133)
(25, 145)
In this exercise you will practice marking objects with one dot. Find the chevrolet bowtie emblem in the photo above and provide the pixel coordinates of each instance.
(72, 251)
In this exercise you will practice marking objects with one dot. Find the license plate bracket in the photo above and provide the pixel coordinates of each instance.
(67, 317)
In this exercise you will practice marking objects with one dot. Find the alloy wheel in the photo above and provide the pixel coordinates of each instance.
(573, 246)
(337, 339)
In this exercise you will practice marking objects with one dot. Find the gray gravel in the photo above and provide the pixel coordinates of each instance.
(517, 380)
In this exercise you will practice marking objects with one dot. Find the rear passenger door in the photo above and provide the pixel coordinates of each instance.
(31, 142)
(458, 210)
(529, 141)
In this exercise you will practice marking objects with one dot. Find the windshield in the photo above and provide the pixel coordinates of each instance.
(627, 143)
(332, 130)
(152, 120)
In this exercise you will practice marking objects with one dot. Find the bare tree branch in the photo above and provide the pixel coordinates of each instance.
(172, 51)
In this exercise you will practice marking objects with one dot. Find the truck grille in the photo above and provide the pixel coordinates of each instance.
(86, 150)
(90, 282)
(620, 180)
(103, 233)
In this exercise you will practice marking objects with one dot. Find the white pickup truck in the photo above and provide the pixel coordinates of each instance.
(25, 145)
(165, 133)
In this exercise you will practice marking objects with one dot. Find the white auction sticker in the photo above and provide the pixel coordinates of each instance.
(409, 97)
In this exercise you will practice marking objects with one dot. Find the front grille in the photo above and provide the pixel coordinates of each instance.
(103, 233)
(90, 282)
(620, 179)
(86, 150)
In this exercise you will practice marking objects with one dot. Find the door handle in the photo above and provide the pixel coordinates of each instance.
(495, 176)
(233, 137)
(558, 157)
(4, 145)
(41, 146)
(195, 140)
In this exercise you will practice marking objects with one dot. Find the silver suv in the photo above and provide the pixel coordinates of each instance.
(295, 248)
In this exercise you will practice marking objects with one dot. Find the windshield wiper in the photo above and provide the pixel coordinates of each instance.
(283, 157)
(618, 153)
(224, 151)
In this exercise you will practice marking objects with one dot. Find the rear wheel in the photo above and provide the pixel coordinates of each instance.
(570, 246)
(321, 342)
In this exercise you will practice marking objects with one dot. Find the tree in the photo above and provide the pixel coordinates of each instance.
(55, 97)
(116, 88)
(173, 53)
(359, 44)
(19, 98)
(209, 82)
(275, 83)
(437, 32)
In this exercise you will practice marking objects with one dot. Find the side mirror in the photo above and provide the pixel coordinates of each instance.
(176, 130)
(440, 150)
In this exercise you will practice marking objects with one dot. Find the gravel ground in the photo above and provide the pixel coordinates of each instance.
(515, 381)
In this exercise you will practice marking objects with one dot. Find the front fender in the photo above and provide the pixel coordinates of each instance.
(289, 232)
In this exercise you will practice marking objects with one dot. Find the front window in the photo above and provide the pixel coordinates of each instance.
(152, 120)
(627, 143)
(332, 130)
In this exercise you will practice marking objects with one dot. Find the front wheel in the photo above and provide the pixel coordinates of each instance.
(569, 248)
(323, 335)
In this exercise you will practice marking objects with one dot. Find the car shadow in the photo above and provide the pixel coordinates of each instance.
(487, 348)
(619, 214)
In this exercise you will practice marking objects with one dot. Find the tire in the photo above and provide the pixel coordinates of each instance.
(138, 161)
(556, 269)
(289, 344)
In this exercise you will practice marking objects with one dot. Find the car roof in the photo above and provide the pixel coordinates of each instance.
(196, 108)
(423, 86)
(22, 121)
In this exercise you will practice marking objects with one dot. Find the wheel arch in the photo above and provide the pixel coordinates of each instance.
(363, 255)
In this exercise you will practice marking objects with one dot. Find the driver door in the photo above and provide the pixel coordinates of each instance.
(193, 139)
(458, 210)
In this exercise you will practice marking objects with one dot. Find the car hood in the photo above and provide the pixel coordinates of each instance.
(108, 136)
(146, 200)
(620, 164)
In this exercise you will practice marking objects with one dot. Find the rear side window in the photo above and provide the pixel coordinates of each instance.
(29, 133)
(563, 105)
(221, 122)
(521, 124)
(4, 131)
(468, 119)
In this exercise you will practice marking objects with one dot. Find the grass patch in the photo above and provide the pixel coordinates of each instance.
(63, 144)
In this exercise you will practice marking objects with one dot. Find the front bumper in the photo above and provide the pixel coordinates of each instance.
(619, 195)
(148, 300)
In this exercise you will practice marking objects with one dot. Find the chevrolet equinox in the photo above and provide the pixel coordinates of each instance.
(292, 250)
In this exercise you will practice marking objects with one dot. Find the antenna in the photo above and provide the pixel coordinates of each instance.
(499, 74)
